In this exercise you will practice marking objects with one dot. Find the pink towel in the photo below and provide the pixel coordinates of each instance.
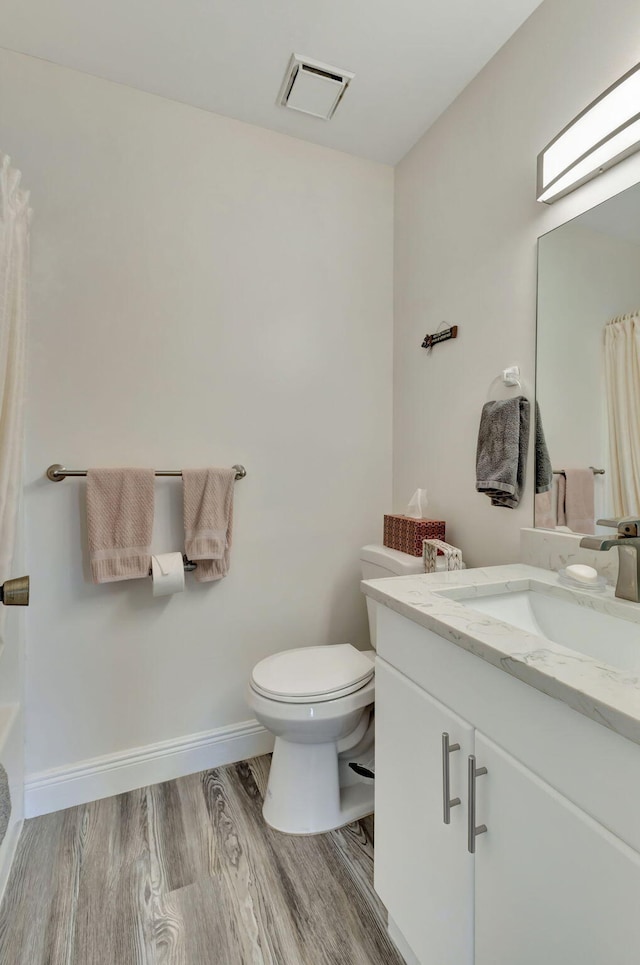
(545, 517)
(578, 500)
(208, 520)
(119, 523)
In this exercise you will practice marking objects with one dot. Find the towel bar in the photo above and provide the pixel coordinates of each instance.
(57, 473)
(596, 472)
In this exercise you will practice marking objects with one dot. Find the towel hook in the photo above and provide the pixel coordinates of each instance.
(511, 376)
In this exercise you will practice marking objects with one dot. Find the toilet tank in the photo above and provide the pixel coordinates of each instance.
(377, 562)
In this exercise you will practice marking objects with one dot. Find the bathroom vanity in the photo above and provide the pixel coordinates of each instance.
(506, 670)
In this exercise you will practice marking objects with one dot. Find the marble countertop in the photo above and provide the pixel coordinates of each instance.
(604, 693)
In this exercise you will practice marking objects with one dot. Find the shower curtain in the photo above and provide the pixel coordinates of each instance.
(15, 215)
(622, 379)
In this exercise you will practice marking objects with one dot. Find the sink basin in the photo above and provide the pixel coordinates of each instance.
(602, 636)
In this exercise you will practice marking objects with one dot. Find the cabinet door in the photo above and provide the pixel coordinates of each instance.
(423, 872)
(552, 885)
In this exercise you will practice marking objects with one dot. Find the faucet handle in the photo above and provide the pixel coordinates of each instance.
(626, 525)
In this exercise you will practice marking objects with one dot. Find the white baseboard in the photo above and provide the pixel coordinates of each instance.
(8, 853)
(64, 787)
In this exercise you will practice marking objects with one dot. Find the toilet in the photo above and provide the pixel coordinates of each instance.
(318, 703)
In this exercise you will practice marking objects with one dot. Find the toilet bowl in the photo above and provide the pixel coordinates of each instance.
(318, 702)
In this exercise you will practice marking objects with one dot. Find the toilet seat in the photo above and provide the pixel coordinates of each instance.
(312, 674)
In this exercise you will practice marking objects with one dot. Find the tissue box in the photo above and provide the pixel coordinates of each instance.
(406, 534)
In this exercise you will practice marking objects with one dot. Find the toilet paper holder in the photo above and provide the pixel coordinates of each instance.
(189, 565)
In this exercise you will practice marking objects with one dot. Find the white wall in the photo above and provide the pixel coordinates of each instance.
(204, 292)
(586, 278)
(465, 251)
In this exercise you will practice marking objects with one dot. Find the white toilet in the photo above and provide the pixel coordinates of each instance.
(318, 702)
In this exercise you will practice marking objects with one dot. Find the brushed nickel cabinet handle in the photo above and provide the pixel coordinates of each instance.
(473, 829)
(447, 801)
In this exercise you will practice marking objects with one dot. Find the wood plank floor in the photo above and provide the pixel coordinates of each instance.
(187, 873)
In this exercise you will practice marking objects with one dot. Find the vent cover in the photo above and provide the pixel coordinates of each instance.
(312, 87)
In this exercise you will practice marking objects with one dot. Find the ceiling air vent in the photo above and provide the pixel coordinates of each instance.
(312, 87)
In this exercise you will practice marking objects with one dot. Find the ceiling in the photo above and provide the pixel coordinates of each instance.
(411, 57)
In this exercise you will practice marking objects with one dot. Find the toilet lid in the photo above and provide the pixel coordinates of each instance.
(312, 672)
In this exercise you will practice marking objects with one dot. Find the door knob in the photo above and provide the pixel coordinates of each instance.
(15, 592)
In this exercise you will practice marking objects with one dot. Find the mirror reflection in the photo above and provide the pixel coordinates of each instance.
(588, 367)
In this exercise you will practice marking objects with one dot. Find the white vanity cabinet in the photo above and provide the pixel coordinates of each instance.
(551, 885)
(548, 883)
(422, 871)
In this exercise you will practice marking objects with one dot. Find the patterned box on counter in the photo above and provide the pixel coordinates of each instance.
(406, 534)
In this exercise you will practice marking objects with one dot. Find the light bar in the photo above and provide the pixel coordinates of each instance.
(604, 133)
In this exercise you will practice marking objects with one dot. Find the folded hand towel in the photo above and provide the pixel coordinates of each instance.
(208, 520)
(501, 456)
(579, 500)
(119, 523)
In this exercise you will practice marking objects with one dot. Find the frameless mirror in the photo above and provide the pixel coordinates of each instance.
(588, 368)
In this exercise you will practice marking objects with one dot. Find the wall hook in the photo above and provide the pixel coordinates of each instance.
(441, 336)
(511, 376)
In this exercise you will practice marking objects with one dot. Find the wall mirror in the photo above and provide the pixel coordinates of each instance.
(588, 366)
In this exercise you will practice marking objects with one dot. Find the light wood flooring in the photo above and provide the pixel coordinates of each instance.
(187, 873)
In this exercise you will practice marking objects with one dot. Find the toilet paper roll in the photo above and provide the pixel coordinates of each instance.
(167, 574)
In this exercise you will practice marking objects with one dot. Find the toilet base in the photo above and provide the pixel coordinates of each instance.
(304, 793)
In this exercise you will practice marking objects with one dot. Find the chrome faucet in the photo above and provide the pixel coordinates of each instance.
(627, 541)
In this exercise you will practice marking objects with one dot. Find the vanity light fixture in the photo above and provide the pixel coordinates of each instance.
(604, 133)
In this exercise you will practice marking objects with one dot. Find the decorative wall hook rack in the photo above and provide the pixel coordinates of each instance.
(442, 336)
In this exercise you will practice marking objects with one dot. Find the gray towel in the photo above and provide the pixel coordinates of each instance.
(544, 472)
(501, 456)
